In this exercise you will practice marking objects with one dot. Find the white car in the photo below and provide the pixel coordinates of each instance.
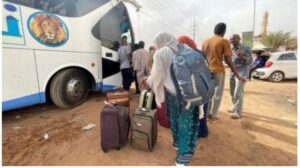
(281, 65)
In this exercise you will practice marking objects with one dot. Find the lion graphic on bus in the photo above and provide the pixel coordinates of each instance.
(48, 29)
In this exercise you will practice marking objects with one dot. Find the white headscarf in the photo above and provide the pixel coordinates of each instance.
(160, 77)
(163, 39)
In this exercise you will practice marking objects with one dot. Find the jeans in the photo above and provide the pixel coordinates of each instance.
(215, 102)
(126, 78)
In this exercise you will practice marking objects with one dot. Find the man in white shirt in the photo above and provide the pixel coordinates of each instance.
(141, 58)
(124, 55)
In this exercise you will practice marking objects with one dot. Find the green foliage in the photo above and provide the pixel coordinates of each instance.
(275, 40)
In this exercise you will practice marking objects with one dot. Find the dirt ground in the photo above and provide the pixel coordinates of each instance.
(266, 135)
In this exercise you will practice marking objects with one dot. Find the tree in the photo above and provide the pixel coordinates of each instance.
(291, 44)
(275, 39)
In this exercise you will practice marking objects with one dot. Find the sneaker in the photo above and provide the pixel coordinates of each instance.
(214, 118)
(230, 111)
(235, 116)
(178, 164)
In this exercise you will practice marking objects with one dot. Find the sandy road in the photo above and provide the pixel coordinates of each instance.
(266, 135)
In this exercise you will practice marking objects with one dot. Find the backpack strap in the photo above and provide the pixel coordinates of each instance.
(179, 96)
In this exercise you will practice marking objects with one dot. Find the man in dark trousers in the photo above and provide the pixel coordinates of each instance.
(124, 55)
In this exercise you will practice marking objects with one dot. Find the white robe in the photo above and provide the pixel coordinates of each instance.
(160, 77)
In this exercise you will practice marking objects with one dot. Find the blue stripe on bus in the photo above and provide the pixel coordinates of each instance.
(104, 88)
(24, 101)
(41, 98)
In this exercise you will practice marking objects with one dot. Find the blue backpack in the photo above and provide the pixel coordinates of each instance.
(191, 76)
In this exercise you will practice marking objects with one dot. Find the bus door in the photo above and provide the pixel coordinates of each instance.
(111, 27)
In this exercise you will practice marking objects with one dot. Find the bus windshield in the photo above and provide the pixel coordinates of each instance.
(69, 8)
(112, 26)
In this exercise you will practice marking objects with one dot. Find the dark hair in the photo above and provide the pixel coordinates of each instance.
(151, 48)
(134, 47)
(141, 44)
(220, 29)
(124, 37)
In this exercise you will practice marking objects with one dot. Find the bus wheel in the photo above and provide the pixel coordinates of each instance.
(69, 88)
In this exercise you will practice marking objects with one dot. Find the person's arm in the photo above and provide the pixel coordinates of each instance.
(245, 56)
(228, 60)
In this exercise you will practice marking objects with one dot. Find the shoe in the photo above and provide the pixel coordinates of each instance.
(214, 118)
(178, 164)
(235, 116)
(230, 111)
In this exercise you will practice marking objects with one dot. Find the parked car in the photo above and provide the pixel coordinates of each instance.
(281, 65)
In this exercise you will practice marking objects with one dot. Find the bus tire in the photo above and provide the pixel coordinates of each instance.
(69, 88)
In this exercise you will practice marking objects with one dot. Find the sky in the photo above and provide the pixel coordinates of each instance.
(178, 17)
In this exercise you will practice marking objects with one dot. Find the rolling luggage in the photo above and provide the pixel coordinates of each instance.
(118, 98)
(163, 118)
(120, 101)
(115, 123)
(147, 100)
(143, 129)
(117, 95)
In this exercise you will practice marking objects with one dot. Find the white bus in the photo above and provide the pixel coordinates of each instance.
(58, 50)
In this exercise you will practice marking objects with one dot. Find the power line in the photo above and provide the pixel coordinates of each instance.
(159, 22)
(194, 29)
(168, 12)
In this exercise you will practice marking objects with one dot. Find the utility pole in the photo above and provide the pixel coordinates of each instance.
(254, 8)
(194, 32)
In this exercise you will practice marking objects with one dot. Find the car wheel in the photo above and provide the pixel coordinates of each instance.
(69, 88)
(276, 76)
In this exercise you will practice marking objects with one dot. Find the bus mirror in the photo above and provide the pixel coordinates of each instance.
(108, 54)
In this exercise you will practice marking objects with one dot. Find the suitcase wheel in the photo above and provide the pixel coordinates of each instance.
(103, 149)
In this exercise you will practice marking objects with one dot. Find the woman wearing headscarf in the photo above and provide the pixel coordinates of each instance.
(184, 122)
(203, 130)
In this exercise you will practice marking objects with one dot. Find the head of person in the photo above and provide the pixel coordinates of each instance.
(164, 39)
(151, 49)
(188, 41)
(220, 29)
(141, 44)
(134, 47)
(124, 40)
(235, 39)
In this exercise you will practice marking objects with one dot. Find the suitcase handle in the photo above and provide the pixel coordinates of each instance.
(138, 124)
(144, 110)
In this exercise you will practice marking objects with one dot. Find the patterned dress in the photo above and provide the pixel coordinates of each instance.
(184, 125)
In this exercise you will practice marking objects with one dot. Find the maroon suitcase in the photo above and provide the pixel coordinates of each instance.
(162, 115)
(114, 129)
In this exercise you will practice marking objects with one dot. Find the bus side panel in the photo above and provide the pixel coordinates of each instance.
(20, 83)
(112, 77)
(49, 62)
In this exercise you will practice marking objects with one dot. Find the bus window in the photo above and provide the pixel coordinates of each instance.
(70, 8)
(113, 26)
